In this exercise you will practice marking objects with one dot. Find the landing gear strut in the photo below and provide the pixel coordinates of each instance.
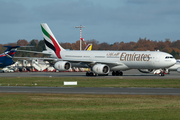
(117, 73)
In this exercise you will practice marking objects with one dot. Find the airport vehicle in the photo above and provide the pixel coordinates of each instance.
(6, 57)
(102, 62)
(7, 70)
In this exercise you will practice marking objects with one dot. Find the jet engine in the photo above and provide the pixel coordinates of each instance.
(101, 69)
(62, 65)
(145, 70)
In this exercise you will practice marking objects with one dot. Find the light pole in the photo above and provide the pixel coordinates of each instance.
(80, 33)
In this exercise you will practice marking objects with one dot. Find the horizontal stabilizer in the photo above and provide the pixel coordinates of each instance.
(11, 47)
(8, 55)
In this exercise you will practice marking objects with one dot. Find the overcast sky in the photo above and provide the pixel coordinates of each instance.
(104, 20)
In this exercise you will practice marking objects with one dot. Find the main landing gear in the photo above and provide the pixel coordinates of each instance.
(94, 74)
(114, 73)
(117, 73)
(91, 74)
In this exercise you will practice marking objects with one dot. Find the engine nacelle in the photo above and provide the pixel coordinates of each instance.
(62, 65)
(145, 70)
(101, 69)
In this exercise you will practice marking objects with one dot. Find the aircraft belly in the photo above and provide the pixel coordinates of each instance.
(139, 64)
(81, 65)
(119, 67)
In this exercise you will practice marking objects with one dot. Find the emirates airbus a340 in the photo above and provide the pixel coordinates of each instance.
(102, 62)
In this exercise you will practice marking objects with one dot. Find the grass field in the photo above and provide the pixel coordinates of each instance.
(88, 107)
(90, 82)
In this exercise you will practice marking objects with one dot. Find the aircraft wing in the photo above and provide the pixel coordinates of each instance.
(92, 62)
(45, 52)
(72, 60)
(31, 58)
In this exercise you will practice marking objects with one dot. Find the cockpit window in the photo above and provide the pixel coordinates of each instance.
(167, 57)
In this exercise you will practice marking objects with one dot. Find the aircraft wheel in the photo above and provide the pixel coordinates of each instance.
(162, 74)
(87, 74)
(113, 73)
(117, 73)
(91, 74)
(121, 73)
(94, 74)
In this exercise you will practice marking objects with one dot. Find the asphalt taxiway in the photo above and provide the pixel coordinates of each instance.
(130, 74)
(76, 90)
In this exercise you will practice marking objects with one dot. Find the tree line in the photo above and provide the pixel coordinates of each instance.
(141, 45)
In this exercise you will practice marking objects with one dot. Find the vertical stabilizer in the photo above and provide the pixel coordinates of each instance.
(88, 47)
(50, 41)
(6, 57)
(10, 51)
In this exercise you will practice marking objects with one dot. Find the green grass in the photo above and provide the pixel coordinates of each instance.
(17, 106)
(88, 107)
(90, 82)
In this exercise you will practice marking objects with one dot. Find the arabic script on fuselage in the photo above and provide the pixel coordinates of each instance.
(112, 54)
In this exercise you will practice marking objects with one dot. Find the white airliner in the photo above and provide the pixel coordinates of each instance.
(102, 62)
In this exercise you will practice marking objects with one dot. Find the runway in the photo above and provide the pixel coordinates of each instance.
(74, 90)
(130, 74)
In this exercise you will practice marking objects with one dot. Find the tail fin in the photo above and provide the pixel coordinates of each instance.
(88, 47)
(10, 51)
(50, 41)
